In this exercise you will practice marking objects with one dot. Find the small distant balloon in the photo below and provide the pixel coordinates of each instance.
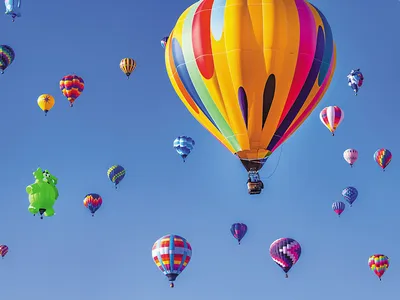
(116, 173)
(383, 157)
(350, 194)
(127, 65)
(285, 252)
(164, 41)
(331, 117)
(350, 155)
(72, 86)
(46, 102)
(13, 8)
(379, 264)
(3, 250)
(338, 207)
(238, 231)
(92, 202)
(184, 145)
(7, 56)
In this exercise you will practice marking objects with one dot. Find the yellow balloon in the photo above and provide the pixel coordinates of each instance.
(45, 102)
(251, 72)
(127, 65)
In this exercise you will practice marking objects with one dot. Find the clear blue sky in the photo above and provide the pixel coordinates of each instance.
(133, 123)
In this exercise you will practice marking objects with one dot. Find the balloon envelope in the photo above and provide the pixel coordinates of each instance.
(92, 202)
(350, 194)
(251, 72)
(378, 263)
(350, 155)
(238, 231)
(285, 252)
(338, 207)
(3, 250)
(171, 253)
(383, 157)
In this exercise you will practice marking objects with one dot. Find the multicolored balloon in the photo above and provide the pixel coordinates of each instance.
(251, 98)
(350, 194)
(7, 56)
(3, 250)
(238, 231)
(338, 207)
(350, 155)
(171, 254)
(285, 252)
(72, 86)
(92, 202)
(383, 157)
(116, 173)
(164, 41)
(378, 263)
(184, 145)
(331, 117)
(13, 8)
(46, 102)
(127, 65)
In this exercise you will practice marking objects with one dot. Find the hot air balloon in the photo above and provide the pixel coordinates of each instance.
(43, 193)
(13, 8)
(7, 56)
(164, 41)
(45, 102)
(338, 207)
(285, 252)
(355, 80)
(72, 86)
(249, 79)
(331, 117)
(383, 157)
(350, 194)
(238, 231)
(3, 250)
(92, 202)
(378, 263)
(127, 65)
(116, 173)
(184, 145)
(350, 155)
(171, 254)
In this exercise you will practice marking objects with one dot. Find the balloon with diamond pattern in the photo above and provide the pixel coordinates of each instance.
(285, 252)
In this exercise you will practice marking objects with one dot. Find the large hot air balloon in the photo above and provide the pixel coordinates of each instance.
(285, 252)
(92, 202)
(183, 146)
(116, 173)
(383, 157)
(238, 231)
(378, 263)
(338, 207)
(251, 72)
(171, 254)
(350, 155)
(13, 8)
(72, 86)
(45, 102)
(43, 193)
(127, 65)
(350, 194)
(164, 41)
(331, 117)
(3, 250)
(7, 56)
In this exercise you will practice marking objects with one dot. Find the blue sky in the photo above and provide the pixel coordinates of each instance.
(133, 123)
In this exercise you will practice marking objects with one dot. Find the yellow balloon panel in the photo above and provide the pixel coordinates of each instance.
(251, 71)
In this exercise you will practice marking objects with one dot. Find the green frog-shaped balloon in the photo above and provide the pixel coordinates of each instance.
(43, 193)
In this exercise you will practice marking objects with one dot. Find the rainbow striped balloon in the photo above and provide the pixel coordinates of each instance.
(171, 254)
(92, 202)
(7, 56)
(251, 72)
(383, 157)
(378, 263)
(331, 117)
(72, 86)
